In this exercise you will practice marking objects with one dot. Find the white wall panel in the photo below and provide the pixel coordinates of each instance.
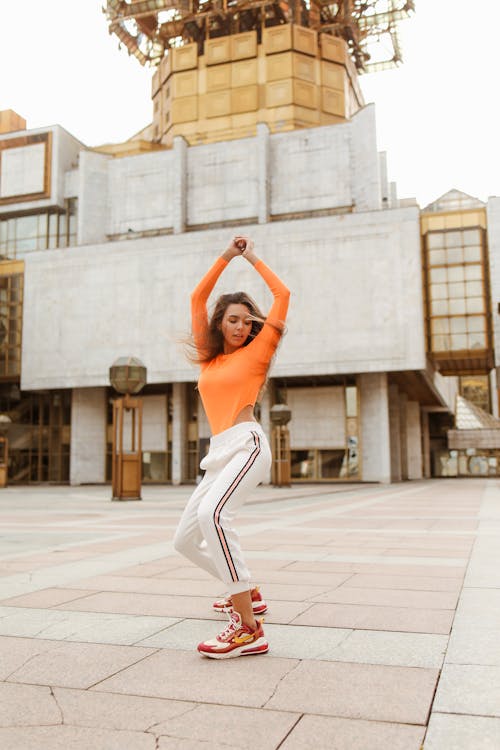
(318, 417)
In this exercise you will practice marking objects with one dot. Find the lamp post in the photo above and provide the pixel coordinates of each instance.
(127, 376)
(281, 467)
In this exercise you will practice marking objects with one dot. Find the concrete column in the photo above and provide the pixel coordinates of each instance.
(180, 188)
(179, 432)
(403, 401)
(92, 207)
(264, 183)
(414, 440)
(395, 433)
(365, 168)
(426, 445)
(375, 440)
(88, 435)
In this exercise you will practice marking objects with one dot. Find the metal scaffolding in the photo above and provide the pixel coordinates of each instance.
(148, 28)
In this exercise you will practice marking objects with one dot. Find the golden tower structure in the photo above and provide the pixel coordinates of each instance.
(222, 66)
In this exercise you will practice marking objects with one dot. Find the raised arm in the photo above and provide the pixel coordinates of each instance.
(269, 336)
(201, 293)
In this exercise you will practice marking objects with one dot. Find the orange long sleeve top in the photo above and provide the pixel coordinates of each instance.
(229, 382)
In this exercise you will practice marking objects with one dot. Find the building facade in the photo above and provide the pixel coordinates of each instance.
(101, 250)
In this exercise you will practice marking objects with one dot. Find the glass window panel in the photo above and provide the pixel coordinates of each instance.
(473, 272)
(27, 227)
(439, 291)
(454, 255)
(435, 239)
(475, 304)
(456, 290)
(440, 325)
(3, 231)
(437, 257)
(458, 325)
(27, 245)
(456, 273)
(457, 306)
(439, 307)
(453, 239)
(471, 237)
(440, 343)
(472, 253)
(474, 288)
(459, 341)
(476, 323)
(438, 275)
(351, 401)
(477, 340)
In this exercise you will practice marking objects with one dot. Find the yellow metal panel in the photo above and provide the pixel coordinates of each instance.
(290, 64)
(184, 109)
(305, 94)
(165, 68)
(8, 267)
(155, 82)
(217, 104)
(334, 49)
(244, 120)
(244, 99)
(303, 115)
(157, 115)
(305, 40)
(218, 50)
(333, 102)
(277, 39)
(279, 66)
(304, 67)
(279, 93)
(219, 77)
(453, 219)
(244, 45)
(244, 73)
(184, 58)
(333, 75)
(184, 84)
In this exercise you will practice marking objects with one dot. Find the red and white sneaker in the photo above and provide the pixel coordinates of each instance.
(236, 639)
(259, 606)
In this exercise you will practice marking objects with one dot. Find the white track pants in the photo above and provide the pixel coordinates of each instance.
(238, 460)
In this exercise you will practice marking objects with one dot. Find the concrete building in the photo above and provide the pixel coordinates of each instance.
(101, 250)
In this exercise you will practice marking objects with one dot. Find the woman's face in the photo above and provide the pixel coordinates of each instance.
(235, 327)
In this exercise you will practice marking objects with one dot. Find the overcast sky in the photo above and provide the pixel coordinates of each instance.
(437, 115)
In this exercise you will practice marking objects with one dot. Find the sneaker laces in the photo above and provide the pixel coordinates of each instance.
(231, 628)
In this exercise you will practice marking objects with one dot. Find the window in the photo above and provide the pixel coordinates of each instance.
(456, 290)
(24, 234)
(11, 320)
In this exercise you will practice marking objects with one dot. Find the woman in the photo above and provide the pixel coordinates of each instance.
(234, 350)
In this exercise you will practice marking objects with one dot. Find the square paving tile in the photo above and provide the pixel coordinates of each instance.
(14, 652)
(230, 726)
(325, 733)
(112, 711)
(27, 705)
(182, 675)
(77, 665)
(46, 598)
(357, 691)
(387, 598)
(469, 689)
(76, 738)
(457, 732)
(397, 649)
(377, 618)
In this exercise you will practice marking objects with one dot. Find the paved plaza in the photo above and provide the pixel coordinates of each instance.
(383, 622)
